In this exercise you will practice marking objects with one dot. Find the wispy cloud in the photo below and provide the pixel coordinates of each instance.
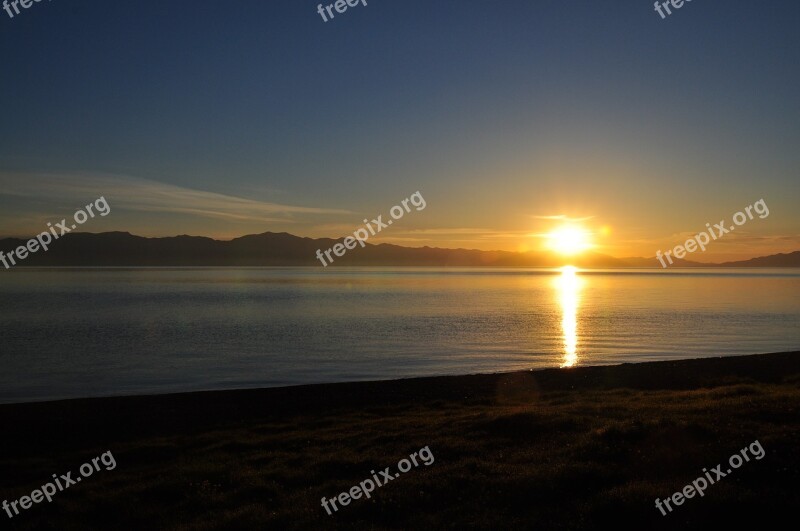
(143, 195)
(563, 217)
(447, 231)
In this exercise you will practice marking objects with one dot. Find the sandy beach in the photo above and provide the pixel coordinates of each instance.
(553, 449)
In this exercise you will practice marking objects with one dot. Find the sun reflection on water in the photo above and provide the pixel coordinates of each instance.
(569, 285)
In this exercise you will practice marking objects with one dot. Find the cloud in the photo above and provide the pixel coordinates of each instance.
(563, 217)
(141, 195)
(451, 231)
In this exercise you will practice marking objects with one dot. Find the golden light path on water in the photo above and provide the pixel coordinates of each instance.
(569, 286)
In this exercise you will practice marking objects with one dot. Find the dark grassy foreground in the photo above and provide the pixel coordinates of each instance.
(557, 449)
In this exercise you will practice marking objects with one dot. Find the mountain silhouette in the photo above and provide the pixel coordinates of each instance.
(283, 249)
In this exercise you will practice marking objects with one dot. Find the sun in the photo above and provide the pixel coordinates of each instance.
(569, 240)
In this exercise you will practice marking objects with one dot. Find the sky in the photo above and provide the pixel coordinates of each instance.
(510, 118)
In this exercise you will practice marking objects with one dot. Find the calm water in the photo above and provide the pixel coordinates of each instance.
(94, 332)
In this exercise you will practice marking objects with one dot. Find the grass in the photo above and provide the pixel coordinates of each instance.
(585, 448)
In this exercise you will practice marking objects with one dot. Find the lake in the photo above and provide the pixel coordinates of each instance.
(78, 332)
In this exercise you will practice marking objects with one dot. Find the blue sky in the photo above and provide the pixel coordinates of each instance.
(224, 119)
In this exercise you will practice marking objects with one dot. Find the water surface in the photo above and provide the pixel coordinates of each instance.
(118, 331)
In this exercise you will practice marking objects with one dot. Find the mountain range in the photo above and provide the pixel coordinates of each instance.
(283, 249)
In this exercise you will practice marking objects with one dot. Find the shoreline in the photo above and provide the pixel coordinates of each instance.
(410, 380)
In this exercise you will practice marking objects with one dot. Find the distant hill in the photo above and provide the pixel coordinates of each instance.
(283, 249)
(775, 260)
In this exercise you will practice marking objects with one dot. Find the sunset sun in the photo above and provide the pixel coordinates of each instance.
(569, 240)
